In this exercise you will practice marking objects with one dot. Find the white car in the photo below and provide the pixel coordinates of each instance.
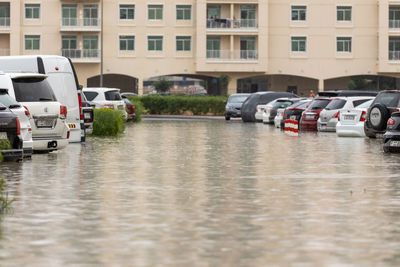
(279, 117)
(271, 109)
(106, 98)
(351, 121)
(328, 117)
(21, 111)
(48, 117)
(259, 112)
(266, 111)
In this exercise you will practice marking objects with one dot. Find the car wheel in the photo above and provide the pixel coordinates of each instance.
(378, 117)
(227, 118)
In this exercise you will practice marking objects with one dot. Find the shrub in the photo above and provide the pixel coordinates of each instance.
(108, 122)
(139, 108)
(4, 144)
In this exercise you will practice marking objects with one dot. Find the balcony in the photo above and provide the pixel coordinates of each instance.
(4, 23)
(232, 56)
(82, 55)
(81, 24)
(232, 25)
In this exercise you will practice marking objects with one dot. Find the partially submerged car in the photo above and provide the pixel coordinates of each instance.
(351, 121)
(310, 116)
(233, 107)
(10, 132)
(391, 138)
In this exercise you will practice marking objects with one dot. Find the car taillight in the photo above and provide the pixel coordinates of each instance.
(80, 105)
(363, 116)
(337, 115)
(283, 113)
(68, 134)
(109, 106)
(63, 111)
(390, 122)
(27, 113)
(18, 127)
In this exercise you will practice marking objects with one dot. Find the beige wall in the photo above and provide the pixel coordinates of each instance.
(369, 31)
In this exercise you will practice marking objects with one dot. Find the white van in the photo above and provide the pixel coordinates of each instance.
(63, 80)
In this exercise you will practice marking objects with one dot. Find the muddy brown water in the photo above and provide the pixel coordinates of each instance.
(205, 193)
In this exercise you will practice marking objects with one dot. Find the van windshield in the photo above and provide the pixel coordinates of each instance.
(112, 95)
(33, 90)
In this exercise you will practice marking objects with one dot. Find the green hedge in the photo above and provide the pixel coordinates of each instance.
(4, 144)
(181, 105)
(108, 122)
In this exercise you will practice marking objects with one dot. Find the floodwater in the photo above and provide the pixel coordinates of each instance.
(205, 193)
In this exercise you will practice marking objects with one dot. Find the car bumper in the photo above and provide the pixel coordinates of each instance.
(356, 130)
(277, 122)
(12, 154)
(308, 125)
(28, 148)
(329, 126)
(235, 114)
(389, 145)
(49, 144)
(259, 116)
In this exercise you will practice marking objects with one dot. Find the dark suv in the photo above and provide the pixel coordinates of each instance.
(10, 130)
(385, 103)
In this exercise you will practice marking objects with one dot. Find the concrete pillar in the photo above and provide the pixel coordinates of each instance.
(232, 51)
(321, 87)
(232, 86)
(140, 85)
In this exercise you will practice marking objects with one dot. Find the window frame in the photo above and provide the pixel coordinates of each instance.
(32, 40)
(183, 10)
(344, 42)
(344, 14)
(155, 45)
(123, 37)
(155, 14)
(299, 15)
(127, 8)
(185, 38)
(298, 41)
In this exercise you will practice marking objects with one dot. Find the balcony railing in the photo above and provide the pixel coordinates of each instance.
(394, 55)
(4, 22)
(81, 54)
(232, 24)
(394, 24)
(80, 23)
(236, 55)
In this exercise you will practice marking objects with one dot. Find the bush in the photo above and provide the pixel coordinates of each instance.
(4, 144)
(139, 108)
(179, 105)
(108, 122)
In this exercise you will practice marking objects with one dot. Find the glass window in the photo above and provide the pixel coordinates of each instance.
(387, 99)
(127, 43)
(343, 13)
(237, 98)
(299, 44)
(33, 90)
(112, 95)
(299, 13)
(394, 17)
(155, 12)
(183, 43)
(90, 95)
(154, 43)
(183, 12)
(213, 11)
(359, 102)
(90, 15)
(394, 48)
(69, 14)
(32, 42)
(90, 46)
(213, 47)
(343, 44)
(32, 11)
(4, 14)
(127, 12)
(319, 104)
(7, 100)
(336, 104)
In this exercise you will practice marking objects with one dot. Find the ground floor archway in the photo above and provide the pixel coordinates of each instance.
(363, 82)
(124, 82)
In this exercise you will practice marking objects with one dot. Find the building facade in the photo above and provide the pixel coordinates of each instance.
(282, 45)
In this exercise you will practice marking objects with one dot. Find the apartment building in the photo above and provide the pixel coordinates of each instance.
(284, 45)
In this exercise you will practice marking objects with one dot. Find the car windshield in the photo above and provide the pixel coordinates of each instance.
(112, 96)
(33, 90)
(237, 98)
(8, 100)
(336, 104)
(388, 99)
(282, 104)
(319, 104)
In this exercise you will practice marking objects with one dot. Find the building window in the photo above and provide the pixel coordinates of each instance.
(154, 43)
(183, 12)
(4, 14)
(155, 12)
(127, 43)
(91, 15)
(126, 12)
(394, 17)
(343, 13)
(394, 48)
(299, 44)
(91, 46)
(343, 44)
(32, 11)
(69, 46)
(213, 47)
(183, 43)
(299, 13)
(32, 42)
(69, 15)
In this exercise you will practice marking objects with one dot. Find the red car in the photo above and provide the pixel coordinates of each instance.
(310, 116)
(130, 109)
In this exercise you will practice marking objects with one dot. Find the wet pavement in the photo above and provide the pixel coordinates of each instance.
(205, 193)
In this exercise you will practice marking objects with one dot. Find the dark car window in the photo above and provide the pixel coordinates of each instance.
(387, 99)
(336, 104)
(7, 100)
(90, 95)
(33, 90)
(356, 103)
(112, 95)
(319, 104)
(237, 98)
(282, 104)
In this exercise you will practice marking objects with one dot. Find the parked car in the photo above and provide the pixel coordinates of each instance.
(48, 116)
(391, 138)
(271, 109)
(308, 121)
(295, 111)
(130, 109)
(10, 130)
(62, 79)
(104, 97)
(87, 113)
(234, 105)
(249, 106)
(21, 111)
(336, 93)
(127, 94)
(385, 103)
(351, 121)
(329, 116)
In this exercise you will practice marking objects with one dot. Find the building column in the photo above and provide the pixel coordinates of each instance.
(140, 85)
(232, 86)
(232, 47)
(321, 87)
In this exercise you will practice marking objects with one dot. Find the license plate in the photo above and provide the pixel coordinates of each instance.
(348, 117)
(86, 115)
(3, 135)
(394, 143)
(44, 123)
(293, 117)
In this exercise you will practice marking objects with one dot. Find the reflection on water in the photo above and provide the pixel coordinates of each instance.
(205, 193)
